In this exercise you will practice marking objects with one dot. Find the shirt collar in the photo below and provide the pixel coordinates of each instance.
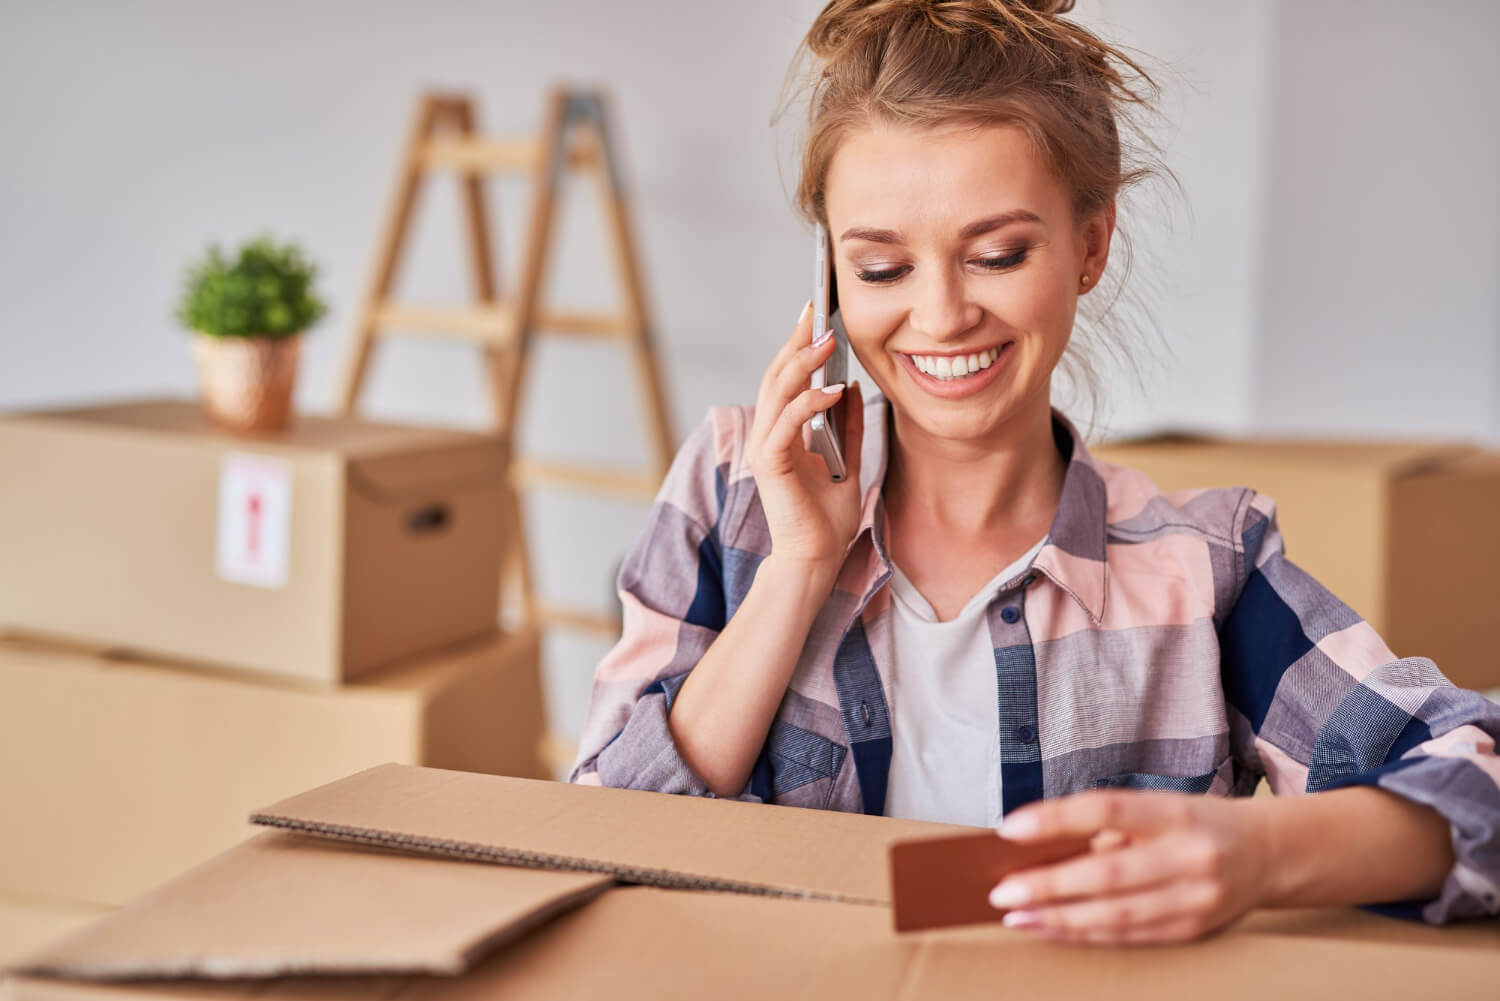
(1073, 557)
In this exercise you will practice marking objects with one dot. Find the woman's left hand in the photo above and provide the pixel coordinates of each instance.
(1164, 867)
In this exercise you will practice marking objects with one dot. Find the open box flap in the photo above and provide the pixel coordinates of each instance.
(646, 943)
(639, 837)
(280, 904)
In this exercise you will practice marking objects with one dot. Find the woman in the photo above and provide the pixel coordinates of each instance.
(983, 624)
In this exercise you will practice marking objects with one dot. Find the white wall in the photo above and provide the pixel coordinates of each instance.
(1381, 304)
(1337, 250)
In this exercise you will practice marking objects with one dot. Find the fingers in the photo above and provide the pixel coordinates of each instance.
(786, 377)
(1094, 875)
(801, 337)
(1087, 813)
(788, 427)
(1175, 912)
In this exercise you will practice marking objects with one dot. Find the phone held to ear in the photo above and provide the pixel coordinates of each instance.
(827, 427)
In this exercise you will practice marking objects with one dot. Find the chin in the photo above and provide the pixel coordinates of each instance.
(955, 420)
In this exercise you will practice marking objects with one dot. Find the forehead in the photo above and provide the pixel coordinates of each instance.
(893, 175)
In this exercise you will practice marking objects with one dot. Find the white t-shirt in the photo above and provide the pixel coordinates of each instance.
(944, 708)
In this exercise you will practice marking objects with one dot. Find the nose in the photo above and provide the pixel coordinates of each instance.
(942, 310)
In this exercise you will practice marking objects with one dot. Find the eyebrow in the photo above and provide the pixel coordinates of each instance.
(970, 231)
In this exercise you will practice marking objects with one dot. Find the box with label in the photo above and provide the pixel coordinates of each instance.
(1404, 533)
(119, 773)
(319, 553)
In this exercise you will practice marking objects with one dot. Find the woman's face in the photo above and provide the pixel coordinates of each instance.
(958, 261)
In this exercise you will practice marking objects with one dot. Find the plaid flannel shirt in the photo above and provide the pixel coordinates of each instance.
(1157, 641)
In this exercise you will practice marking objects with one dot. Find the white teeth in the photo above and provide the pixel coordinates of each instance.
(954, 366)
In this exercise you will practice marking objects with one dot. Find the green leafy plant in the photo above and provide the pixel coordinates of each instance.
(266, 292)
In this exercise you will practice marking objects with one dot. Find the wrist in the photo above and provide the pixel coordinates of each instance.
(1281, 832)
(805, 577)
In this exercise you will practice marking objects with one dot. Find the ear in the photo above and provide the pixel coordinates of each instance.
(1095, 235)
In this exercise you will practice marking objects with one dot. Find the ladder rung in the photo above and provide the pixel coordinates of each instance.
(496, 154)
(493, 323)
(582, 324)
(525, 473)
(556, 615)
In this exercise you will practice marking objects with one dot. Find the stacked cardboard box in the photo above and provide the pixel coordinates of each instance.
(728, 900)
(194, 623)
(1405, 533)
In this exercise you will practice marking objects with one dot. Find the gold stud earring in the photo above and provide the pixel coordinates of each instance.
(1084, 279)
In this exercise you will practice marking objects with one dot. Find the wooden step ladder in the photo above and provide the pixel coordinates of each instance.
(575, 136)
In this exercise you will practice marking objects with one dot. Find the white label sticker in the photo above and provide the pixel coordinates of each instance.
(255, 519)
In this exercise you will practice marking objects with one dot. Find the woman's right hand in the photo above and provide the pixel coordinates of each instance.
(811, 518)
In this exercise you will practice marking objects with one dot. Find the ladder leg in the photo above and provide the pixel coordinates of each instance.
(388, 256)
(642, 350)
(534, 257)
(481, 255)
(517, 587)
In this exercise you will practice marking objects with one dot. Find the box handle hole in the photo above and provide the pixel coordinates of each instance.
(429, 519)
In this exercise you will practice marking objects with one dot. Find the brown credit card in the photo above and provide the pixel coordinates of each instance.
(937, 882)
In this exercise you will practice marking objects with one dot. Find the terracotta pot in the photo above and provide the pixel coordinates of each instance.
(246, 383)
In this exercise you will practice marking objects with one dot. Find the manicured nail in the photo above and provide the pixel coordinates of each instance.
(1020, 919)
(1022, 825)
(837, 387)
(1010, 893)
(806, 307)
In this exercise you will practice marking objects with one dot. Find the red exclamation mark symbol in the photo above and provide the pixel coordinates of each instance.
(252, 529)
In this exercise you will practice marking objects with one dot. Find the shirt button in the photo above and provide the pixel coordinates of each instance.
(1026, 734)
(864, 712)
(1010, 613)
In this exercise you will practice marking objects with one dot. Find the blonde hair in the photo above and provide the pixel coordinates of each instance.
(925, 63)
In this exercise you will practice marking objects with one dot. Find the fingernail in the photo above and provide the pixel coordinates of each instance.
(804, 310)
(1010, 893)
(837, 387)
(1020, 919)
(1022, 825)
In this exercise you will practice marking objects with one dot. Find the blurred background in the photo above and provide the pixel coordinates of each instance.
(1332, 270)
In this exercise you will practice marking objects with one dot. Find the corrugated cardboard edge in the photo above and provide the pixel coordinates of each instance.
(499, 855)
(208, 968)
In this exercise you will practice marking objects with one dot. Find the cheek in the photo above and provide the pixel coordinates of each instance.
(1039, 302)
(870, 322)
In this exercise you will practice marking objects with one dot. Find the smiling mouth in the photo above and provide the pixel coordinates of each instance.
(950, 367)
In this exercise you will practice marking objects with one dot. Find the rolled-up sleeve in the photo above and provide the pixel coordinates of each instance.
(1318, 701)
(672, 592)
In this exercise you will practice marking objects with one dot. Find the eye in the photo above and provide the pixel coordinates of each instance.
(880, 277)
(988, 263)
(1001, 263)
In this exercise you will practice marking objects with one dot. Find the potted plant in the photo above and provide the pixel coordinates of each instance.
(247, 317)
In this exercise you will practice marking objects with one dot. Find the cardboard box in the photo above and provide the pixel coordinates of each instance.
(119, 774)
(1404, 533)
(318, 554)
(376, 926)
(27, 924)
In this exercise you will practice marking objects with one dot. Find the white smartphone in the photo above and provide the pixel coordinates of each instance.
(827, 427)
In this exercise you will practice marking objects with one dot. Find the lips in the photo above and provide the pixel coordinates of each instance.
(967, 373)
(955, 366)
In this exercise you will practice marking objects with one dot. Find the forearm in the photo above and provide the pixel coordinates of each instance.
(1345, 847)
(724, 709)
